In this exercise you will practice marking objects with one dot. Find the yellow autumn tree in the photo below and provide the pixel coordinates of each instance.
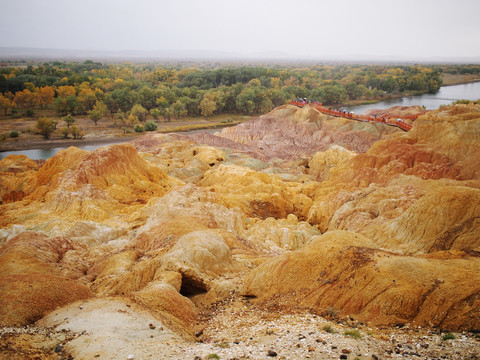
(64, 91)
(6, 104)
(87, 99)
(208, 105)
(46, 95)
(26, 99)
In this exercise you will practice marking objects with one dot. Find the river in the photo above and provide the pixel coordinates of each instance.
(445, 95)
(37, 154)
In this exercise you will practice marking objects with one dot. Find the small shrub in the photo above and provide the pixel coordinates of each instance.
(332, 312)
(126, 130)
(2, 137)
(354, 333)
(69, 119)
(76, 132)
(223, 345)
(329, 329)
(65, 132)
(46, 127)
(29, 112)
(13, 134)
(150, 126)
(213, 356)
(138, 128)
(448, 336)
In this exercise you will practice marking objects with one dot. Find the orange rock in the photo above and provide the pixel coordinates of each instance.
(31, 280)
(346, 271)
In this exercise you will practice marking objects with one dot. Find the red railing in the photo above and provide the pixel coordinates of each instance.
(392, 121)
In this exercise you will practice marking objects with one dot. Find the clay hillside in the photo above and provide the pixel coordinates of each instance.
(296, 234)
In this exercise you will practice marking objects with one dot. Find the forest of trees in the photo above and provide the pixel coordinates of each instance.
(156, 91)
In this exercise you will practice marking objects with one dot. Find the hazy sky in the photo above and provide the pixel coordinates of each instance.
(431, 29)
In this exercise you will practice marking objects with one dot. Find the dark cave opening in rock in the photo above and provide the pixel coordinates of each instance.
(192, 286)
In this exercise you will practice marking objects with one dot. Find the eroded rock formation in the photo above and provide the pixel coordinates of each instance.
(172, 224)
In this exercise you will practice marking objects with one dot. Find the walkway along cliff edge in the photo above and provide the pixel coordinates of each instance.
(400, 123)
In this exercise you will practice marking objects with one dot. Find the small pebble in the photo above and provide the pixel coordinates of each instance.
(271, 353)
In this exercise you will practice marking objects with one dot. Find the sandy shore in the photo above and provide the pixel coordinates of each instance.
(61, 143)
(33, 144)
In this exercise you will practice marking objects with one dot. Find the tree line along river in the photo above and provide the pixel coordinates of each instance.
(445, 95)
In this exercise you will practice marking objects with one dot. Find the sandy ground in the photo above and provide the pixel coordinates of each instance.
(232, 329)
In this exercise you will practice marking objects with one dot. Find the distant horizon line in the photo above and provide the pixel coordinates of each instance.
(38, 53)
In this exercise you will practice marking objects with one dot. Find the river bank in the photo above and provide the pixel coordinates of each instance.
(104, 134)
(458, 79)
(448, 80)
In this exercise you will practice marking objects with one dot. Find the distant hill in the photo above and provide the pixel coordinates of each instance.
(26, 53)
(76, 54)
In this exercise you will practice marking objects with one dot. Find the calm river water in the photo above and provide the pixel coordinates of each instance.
(446, 95)
(37, 154)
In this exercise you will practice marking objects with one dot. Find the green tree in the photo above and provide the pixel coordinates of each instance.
(147, 97)
(167, 113)
(179, 109)
(265, 105)
(140, 112)
(355, 91)
(277, 97)
(334, 94)
(245, 102)
(121, 99)
(69, 119)
(99, 111)
(65, 105)
(156, 113)
(46, 127)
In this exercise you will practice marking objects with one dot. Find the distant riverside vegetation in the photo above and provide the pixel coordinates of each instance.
(134, 92)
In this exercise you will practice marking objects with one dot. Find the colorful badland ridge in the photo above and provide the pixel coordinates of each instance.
(293, 209)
